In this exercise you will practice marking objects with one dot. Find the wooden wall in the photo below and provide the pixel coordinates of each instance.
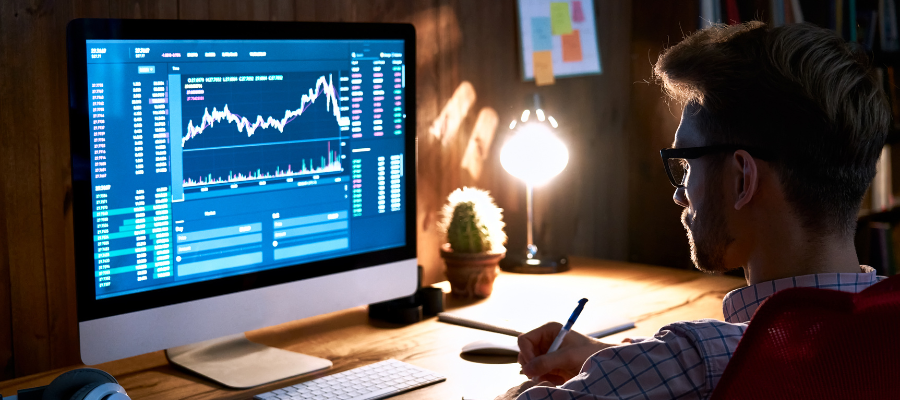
(655, 233)
(588, 210)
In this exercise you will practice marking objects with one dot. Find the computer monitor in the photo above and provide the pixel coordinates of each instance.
(229, 176)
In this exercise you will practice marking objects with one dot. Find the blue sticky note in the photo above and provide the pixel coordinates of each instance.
(541, 34)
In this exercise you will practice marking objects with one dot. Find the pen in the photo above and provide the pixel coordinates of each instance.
(568, 327)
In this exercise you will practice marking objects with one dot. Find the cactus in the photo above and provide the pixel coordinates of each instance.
(464, 234)
(473, 223)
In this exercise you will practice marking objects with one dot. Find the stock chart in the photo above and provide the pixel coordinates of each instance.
(219, 158)
(249, 127)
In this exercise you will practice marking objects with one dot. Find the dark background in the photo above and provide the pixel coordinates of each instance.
(613, 201)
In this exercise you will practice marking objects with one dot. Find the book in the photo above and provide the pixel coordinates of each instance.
(514, 320)
(882, 192)
(866, 23)
(869, 41)
(796, 11)
(880, 248)
(777, 12)
(732, 12)
(892, 96)
(887, 23)
(894, 245)
(708, 14)
(839, 17)
(788, 12)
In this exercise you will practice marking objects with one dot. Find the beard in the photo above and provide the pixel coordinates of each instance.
(708, 235)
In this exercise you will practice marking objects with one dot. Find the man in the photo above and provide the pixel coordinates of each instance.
(778, 141)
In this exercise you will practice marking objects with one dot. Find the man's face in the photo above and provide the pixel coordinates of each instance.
(703, 199)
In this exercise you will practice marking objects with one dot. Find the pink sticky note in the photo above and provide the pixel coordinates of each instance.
(577, 12)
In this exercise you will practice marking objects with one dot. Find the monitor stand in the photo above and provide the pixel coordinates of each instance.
(236, 362)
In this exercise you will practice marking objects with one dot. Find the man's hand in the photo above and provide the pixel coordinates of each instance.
(561, 365)
(514, 392)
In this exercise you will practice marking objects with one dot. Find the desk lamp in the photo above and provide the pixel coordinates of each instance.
(535, 155)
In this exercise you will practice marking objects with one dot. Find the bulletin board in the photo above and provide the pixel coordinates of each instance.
(558, 38)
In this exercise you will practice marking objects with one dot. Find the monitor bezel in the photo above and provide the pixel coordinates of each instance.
(81, 30)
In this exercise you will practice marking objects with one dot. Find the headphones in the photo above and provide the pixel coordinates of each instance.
(78, 384)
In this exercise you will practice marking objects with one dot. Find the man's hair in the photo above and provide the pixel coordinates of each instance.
(798, 91)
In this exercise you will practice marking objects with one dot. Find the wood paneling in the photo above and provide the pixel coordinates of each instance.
(585, 211)
(7, 366)
(655, 234)
(196, 9)
(281, 10)
(150, 9)
(253, 10)
(27, 112)
(49, 105)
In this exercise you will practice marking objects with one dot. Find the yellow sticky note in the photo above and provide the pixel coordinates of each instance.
(543, 67)
(560, 20)
(571, 47)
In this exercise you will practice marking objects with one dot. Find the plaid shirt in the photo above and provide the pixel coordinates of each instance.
(685, 359)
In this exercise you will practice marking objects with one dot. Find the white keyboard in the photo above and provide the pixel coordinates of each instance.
(374, 381)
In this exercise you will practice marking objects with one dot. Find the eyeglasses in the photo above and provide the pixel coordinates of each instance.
(675, 160)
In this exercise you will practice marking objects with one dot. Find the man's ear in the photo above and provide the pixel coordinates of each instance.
(745, 187)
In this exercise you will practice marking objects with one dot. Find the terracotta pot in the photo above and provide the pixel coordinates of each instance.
(471, 275)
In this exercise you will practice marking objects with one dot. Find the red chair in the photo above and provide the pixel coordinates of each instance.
(806, 343)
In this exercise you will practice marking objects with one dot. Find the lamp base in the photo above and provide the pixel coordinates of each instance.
(539, 264)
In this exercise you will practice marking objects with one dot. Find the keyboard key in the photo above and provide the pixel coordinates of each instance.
(369, 382)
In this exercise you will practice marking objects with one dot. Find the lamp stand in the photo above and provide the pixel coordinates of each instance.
(532, 261)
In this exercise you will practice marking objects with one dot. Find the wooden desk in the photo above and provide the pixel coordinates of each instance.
(651, 296)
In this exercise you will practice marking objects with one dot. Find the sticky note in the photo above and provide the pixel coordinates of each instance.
(543, 67)
(541, 35)
(577, 12)
(560, 20)
(571, 47)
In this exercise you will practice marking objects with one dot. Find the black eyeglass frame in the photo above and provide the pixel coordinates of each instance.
(690, 153)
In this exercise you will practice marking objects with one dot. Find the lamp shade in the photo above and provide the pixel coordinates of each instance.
(534, 154)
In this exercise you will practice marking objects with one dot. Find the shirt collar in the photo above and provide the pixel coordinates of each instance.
(740, 304)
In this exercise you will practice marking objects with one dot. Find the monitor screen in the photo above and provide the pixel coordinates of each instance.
(232, 175)
(214, 158)
(221, 158)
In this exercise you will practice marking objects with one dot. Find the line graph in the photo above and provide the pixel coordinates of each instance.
(322, 86)
(256, 129)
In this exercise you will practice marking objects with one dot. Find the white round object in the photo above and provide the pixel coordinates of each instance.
(534, 154)
(107, 391)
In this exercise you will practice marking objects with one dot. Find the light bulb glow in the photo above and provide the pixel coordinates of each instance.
(534, 154)
(525, 115)
(540, 114)
(512, 125)
(553, 122)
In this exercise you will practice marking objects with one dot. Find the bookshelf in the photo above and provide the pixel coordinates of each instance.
(873, 25)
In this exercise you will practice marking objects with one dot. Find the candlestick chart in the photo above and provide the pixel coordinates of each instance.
(245, 128)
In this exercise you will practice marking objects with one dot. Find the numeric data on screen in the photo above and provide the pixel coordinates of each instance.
(219, 158)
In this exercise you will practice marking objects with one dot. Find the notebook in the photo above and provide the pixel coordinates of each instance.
(516, 318)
